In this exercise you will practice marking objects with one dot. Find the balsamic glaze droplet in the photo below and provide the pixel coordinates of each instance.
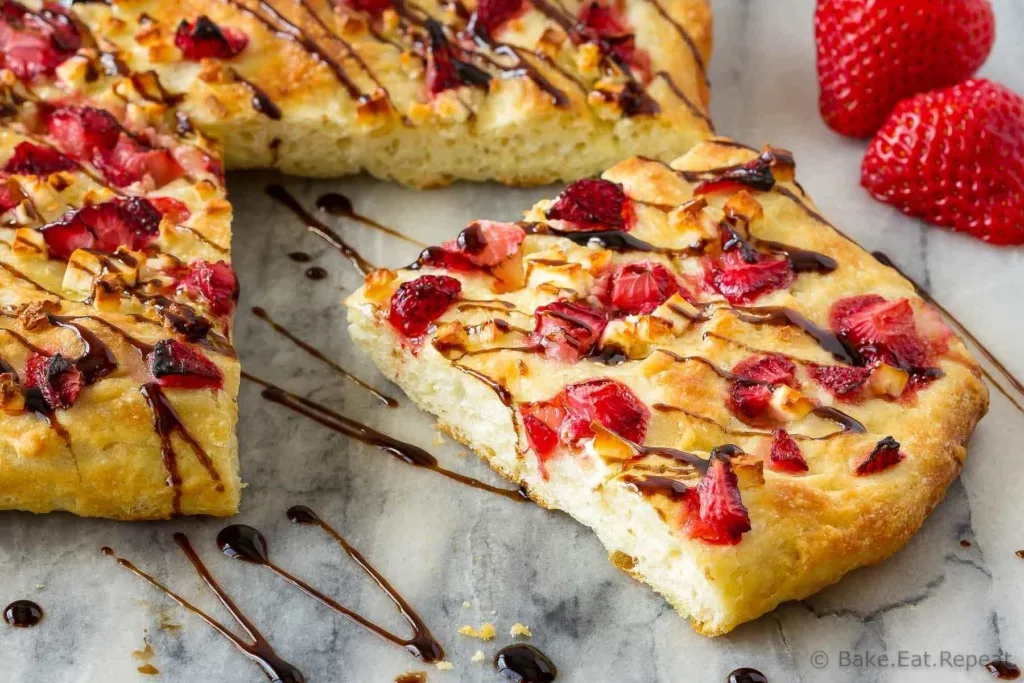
(335, 203)
(1004, 671)
(242, 542)
(747, 675)
(300, 514)
(23, 614)
(300, 257)
(522, 663)
(316, 273)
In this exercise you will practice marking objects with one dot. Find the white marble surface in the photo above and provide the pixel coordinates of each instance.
(443, 544)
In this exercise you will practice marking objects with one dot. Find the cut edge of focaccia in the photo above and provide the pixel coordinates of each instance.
(855, 505)
(561, 101)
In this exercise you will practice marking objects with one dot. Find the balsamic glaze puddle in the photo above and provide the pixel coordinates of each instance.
(1004, 671)
(339, 205)
(262, 314)
(242, 542)
(316, 273)
(407, 453)
(522, 663)
(320, 229)
(258, 651)
(23, 614)
(746, 675)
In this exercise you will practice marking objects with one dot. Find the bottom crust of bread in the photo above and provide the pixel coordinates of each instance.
(716, 587)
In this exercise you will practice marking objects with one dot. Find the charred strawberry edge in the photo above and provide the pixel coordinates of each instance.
(204, 38)
(885, 454)
(176, 364)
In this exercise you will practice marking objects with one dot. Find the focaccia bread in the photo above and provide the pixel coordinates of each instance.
(118, 382)
(517, 91)
(689, 359)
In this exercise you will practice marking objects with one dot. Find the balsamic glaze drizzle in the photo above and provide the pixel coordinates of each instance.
(23, 614)
(339, 205)
(258, 651)
(262, 314)
(320, 229)
(242, 542)
(407, 453)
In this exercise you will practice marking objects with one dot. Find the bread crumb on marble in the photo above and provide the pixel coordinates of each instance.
(445, 665)
(478, 656)
(520, 630)
(485, 632)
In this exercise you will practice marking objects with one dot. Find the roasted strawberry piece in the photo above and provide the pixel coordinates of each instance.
(81, 131)
(607, 402)
(592, 204)
(372, 7)
(34, 44)
(204, 39)
(714, 510)
(491, 14)
(749, 402)
(885, 454)
(785, 453)
(444, 70)
(183, 366)
(641, 286)
(542, 421)
(174, 209)
(842, 381)
(33, 159)
(767, 368)
(418, 303)
(567, 331)
(132, 161)
(58, 378)
(740, 281)
(133, 223)
(214, 282)
(602, 24)
(750, 393)
(755, 174)
(880, 330)
(10, 194)
(487, 243)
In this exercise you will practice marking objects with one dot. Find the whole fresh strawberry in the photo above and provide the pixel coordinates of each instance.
(955, 157)
(874, 53)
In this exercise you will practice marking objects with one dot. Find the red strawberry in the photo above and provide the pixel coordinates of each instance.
(714, 510)
(180, 365)
(10, 194)
(741, 282)
(749, 402)
(491, 14)
(132, 161)
(592, 204)
(204, 39)
(842, 381)
(785, 453)
(34, 44)
(58, 378)
(642, 286)
(885, 454)
(567, 331)
(80, 131)
(880, 329)
(418, 303)
(133, 223)
(32, 159)
(214, 282)
(767, 368)
(487, 243)
(607, 402)
(874, 53)
(541, 422)
(372, 7)
(955, 158)
(599, 23)
(175, 209)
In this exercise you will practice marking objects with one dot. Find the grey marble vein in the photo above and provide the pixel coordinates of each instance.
(442, 544)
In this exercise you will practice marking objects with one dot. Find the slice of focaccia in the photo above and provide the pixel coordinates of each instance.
(117, 377)
(688, 358)
(518, 91)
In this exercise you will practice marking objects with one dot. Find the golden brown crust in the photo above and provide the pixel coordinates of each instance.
(807, 529)
(352, 86)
